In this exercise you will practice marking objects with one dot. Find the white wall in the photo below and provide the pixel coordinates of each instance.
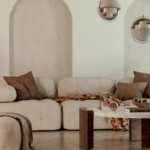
(97, 45)
(136, 56)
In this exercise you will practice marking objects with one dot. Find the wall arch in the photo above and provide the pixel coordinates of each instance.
(136, 56)
(41, 39)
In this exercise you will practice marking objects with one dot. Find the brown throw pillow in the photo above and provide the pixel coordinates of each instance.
(143, 77)
(25, 86)
(127, 91)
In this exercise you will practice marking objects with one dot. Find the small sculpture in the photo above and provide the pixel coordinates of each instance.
(113, 106)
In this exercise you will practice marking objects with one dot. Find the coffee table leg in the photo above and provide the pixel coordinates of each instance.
(135, 129)
(86, 128)
(145, 133)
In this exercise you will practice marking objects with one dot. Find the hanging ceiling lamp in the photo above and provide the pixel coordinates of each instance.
(108, 9)
(140, 29)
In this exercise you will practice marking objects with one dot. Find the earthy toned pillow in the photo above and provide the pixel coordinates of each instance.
(25, 86)
(143, 77)
(127, 91)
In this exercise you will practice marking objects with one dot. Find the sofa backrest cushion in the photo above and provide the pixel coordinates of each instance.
(127, 80)
(46, 87)
(79, 86)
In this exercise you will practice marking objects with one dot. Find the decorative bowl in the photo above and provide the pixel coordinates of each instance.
(142, 105)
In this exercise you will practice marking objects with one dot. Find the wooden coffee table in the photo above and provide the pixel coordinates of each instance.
(139, 125)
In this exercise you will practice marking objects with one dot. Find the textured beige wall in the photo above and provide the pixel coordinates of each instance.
(5, 9)
(41, 39)
(136, 56)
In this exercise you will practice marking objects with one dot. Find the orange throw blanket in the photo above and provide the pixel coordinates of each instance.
(120, 124)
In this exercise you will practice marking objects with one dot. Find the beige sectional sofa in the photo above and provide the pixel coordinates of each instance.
(47, 114)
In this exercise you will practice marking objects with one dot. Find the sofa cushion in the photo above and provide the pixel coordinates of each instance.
(7, 94)
(43, 114)
(127, 91)
(70, 109)
(79, 86)
(46, 87)
(25, 86)
(143, 77)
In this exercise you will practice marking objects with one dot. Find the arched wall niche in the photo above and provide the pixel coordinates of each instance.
(136, 56)
(41, 39)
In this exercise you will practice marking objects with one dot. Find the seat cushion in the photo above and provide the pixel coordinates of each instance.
(43, 114)
(71, 108)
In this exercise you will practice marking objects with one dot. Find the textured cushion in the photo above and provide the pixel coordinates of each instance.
(7, 93)
(44, 114)
(25, 86)
(143, 77)
(46, 87)
(127, 91)
(79, 86)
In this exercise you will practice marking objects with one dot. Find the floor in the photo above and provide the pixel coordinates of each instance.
(69, 140)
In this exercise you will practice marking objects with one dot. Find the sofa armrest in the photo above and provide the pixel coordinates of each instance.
(7, 94)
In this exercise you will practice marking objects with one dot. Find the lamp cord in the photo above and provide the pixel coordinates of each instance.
(143, 8)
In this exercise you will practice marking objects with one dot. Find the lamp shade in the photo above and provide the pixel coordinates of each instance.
(108, 9)
(110, 4)
(140, 30)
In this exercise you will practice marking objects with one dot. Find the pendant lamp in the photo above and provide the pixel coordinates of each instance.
(108, 9)
(140, 29)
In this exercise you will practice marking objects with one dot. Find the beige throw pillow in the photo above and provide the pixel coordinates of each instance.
(127, 91)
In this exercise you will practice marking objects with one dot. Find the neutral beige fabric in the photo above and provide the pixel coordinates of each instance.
(3, 82)
(10, 134)
(79, 86)
(7, 93)
(71, 108)
(46, 87)
(43, 114)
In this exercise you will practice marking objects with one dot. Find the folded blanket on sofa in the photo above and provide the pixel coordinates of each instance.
(26, 128)
(120, 124)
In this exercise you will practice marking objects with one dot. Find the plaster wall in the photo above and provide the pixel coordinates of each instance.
(41, 39)
(136, 56)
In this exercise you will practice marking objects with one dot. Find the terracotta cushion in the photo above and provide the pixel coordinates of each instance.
(127, 91)
(25, 86)
(143, 77)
